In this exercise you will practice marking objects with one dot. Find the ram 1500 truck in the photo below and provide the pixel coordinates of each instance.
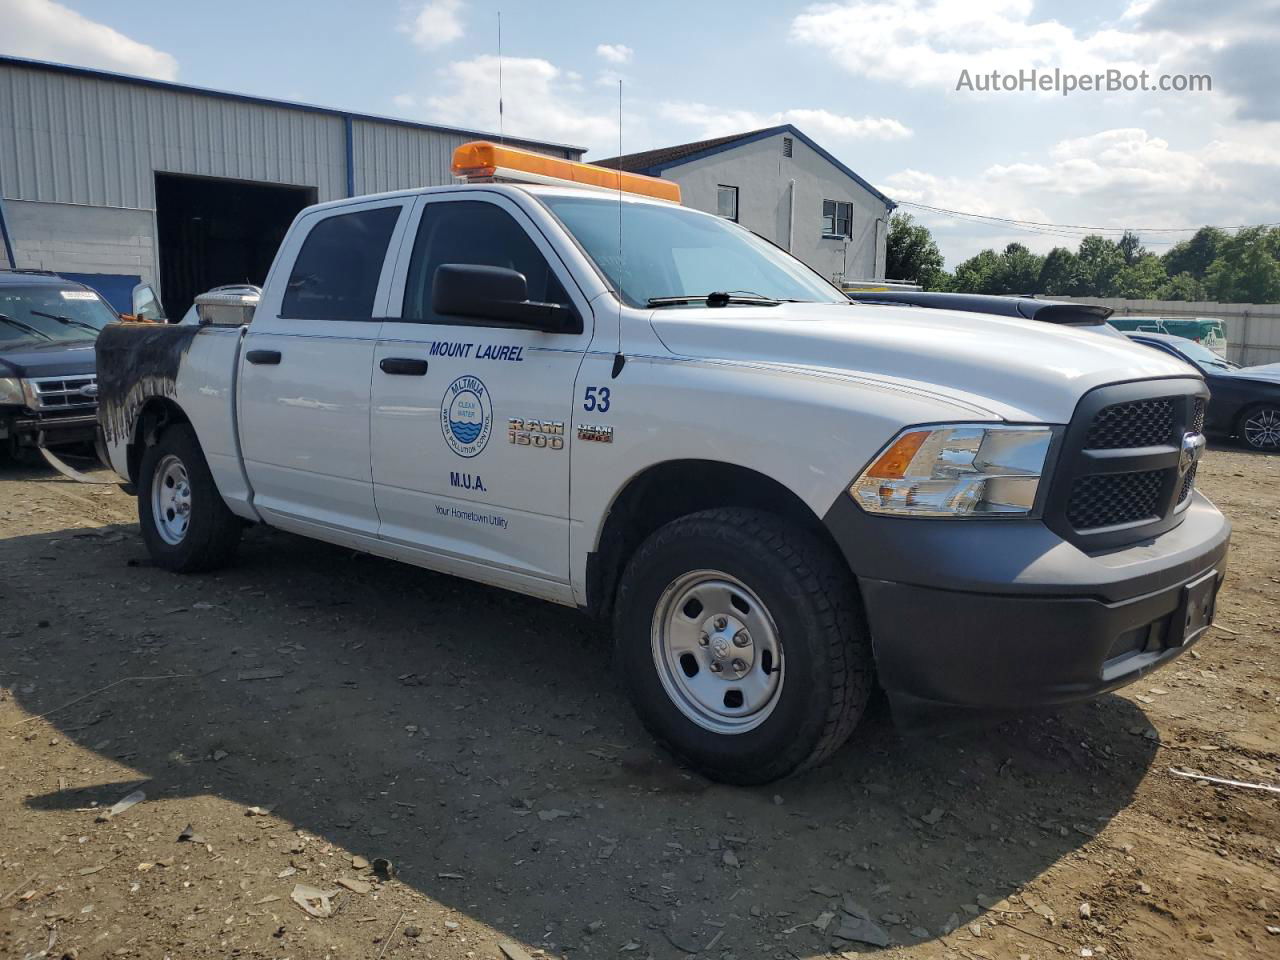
(778, 498)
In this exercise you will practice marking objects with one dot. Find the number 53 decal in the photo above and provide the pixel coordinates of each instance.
(597, 398)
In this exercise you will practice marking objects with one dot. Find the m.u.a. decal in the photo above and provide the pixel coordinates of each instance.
(467, 481)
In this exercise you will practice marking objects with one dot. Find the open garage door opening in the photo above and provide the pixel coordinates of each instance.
(214, 231)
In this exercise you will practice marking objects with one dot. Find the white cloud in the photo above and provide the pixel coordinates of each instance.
(539, 101)
(1124, 162)
(43, 30)
(1122, 178)
(436, 24)
(710, 121)
(927, 43)
(615, 52)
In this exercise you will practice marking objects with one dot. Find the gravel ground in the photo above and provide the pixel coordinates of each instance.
(309, 711)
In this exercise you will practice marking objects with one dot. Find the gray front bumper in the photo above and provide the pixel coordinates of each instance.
(994, 615)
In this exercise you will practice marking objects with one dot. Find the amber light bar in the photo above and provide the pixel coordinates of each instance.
(483, 160)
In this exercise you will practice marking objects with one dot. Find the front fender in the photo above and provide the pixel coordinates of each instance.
(809, 433)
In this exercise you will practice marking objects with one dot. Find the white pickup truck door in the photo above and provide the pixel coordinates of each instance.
(471, 417)
(303, 409)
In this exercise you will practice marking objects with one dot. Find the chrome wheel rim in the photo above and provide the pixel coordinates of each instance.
(1262, 428)
(171, 500)
(717, 652)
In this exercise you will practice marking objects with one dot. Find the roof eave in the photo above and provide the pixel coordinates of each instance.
(786, 128)
(52, 67)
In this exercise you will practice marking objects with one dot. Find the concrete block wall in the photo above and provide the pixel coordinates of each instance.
(77, 238)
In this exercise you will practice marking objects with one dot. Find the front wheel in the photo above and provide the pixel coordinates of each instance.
(185, 522)
(1260, 427)
(741, 645)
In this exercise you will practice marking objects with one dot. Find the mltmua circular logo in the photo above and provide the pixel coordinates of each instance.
(466, 416)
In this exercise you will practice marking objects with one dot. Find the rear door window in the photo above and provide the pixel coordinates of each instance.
(336, 274)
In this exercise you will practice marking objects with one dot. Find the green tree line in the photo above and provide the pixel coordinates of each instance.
(1217, 265)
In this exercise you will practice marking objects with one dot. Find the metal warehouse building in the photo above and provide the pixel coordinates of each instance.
(116, 180)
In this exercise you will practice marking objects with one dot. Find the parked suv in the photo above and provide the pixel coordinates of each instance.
(777, 497)
(48, 385)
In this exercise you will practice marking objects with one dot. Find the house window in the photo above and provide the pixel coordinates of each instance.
(727, 202)
(837, 218)
(787, 146)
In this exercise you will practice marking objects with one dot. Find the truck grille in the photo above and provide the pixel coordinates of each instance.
(62, 394)
(1118, 478)
(1144, 423)
(1107, 499)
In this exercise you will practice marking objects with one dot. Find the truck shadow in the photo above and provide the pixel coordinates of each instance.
(481, 742)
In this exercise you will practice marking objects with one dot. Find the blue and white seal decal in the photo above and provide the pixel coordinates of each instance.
(466, 416)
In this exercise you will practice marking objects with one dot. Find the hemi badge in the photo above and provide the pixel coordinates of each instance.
(597, 434)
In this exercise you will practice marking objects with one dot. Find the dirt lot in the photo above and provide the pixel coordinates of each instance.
(480, 742)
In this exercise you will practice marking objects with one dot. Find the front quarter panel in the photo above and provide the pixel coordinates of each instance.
(809, 431)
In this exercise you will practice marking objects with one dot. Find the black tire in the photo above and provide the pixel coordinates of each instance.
(811, 598)
(213, 531)
(1243, 431)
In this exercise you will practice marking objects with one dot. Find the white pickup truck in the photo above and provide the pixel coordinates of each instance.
(778, 498)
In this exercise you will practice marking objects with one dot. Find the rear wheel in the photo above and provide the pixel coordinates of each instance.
(1260, 427)
(185, 523)
(741, 645)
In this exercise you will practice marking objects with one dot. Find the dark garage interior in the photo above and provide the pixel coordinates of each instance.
(214, 231)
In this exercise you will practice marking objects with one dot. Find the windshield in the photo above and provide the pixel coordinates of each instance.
(668, 251)
(1202, 356)
(42, 313)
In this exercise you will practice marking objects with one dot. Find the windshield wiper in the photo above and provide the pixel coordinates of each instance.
(66, 320)
(24, 326)
(717, 298)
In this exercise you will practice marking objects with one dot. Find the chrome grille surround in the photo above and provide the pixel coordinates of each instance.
(77, 392)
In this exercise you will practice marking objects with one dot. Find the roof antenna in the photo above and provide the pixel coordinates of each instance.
(619, 361)
(501, 137)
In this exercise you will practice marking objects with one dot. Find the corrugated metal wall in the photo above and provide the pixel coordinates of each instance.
(401, 158)
(1253, 329)
(392, 157)
(70, 138)
(73, 139)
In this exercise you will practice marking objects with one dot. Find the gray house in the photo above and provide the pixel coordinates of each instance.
(785, 187)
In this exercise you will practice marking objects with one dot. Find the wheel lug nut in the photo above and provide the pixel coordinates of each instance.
(741, 638)
(716, 666)
(739, 666)
(703, 639)
(721, 622)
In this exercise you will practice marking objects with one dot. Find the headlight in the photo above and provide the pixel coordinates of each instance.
(11, 391)
(956, 470)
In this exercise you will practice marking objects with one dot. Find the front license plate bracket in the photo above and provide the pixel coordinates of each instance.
(1195, 612)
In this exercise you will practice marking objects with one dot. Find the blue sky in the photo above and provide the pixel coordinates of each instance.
(873, 81)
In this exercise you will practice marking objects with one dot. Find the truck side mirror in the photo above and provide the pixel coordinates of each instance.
(493, 293)
(146, 305)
